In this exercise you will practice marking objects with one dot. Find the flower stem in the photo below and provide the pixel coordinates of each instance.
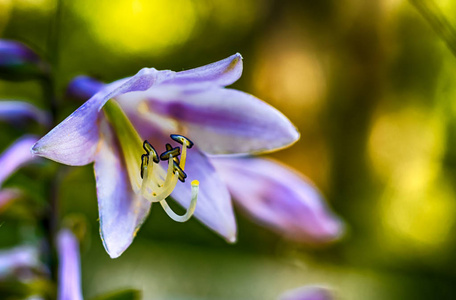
(439, 23)
(51, 217)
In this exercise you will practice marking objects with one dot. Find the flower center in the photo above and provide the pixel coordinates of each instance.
(149, 178)
(156, 186)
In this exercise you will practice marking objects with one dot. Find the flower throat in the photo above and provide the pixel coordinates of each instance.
(146, 175)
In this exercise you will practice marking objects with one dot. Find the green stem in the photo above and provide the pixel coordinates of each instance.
(439, 23)
(51, 217)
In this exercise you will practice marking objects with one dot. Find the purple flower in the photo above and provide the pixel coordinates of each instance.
(150, 106)
(83, 87)
(16, 155)
(308, 293)
(21, 262)
(18, 112)
(17, 61)
(69, 280)
(279, 198)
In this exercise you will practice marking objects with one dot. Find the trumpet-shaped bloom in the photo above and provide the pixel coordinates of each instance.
(150, 106)
(279, 198)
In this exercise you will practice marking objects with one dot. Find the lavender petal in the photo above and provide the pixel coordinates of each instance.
(15, 156)
(279, 198)
(214, 208)
(14, 111)
(74, 141)
(224, 121)
(220, 73)
(121, 211)
(69, 281)
(308, 293)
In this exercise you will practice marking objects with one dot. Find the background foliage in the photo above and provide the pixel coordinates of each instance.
(370, 86)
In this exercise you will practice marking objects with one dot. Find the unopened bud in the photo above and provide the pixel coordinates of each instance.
(83, 88)
(19, 62)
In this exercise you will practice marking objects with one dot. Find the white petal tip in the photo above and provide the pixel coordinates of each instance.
(231, 239)
(114, 255)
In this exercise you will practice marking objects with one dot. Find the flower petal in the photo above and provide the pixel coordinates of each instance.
(220, 73)
(214, 208)
(224, 121)
(308, 293)
(74, 141)
(279, 198)
(121, 211)
(69, 266)
(15, 156)
(14, 111)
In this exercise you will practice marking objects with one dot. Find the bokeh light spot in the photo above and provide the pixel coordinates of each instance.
(5, 8)
(139, 26)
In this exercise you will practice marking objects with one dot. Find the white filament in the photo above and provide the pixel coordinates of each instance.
(156, 187)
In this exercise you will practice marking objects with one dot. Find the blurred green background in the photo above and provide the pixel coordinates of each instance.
(371, 88)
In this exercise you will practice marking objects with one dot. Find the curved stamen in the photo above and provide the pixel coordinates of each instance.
(144, 164)
(191, 208)
(157, 185)
(169, 184)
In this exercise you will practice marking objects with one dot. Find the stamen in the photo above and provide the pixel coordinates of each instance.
(170, 181)
(156, 186)
(150, 149)
(144, 164)
(170, 151)
(191, 208)
(182, 140)
(180, 173)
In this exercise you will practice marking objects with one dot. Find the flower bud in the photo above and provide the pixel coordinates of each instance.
(19, 62)
(83, 87)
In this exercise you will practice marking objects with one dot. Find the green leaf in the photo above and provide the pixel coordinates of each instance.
(129, 294)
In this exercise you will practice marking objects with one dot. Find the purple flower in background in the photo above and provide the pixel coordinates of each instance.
(150, 106)
(21, 262)
(15, 156)
(18, 153)
(18, 62)
(18, 112)
(279, 198)
(308, 293)
(83, 87)
(69, 280)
